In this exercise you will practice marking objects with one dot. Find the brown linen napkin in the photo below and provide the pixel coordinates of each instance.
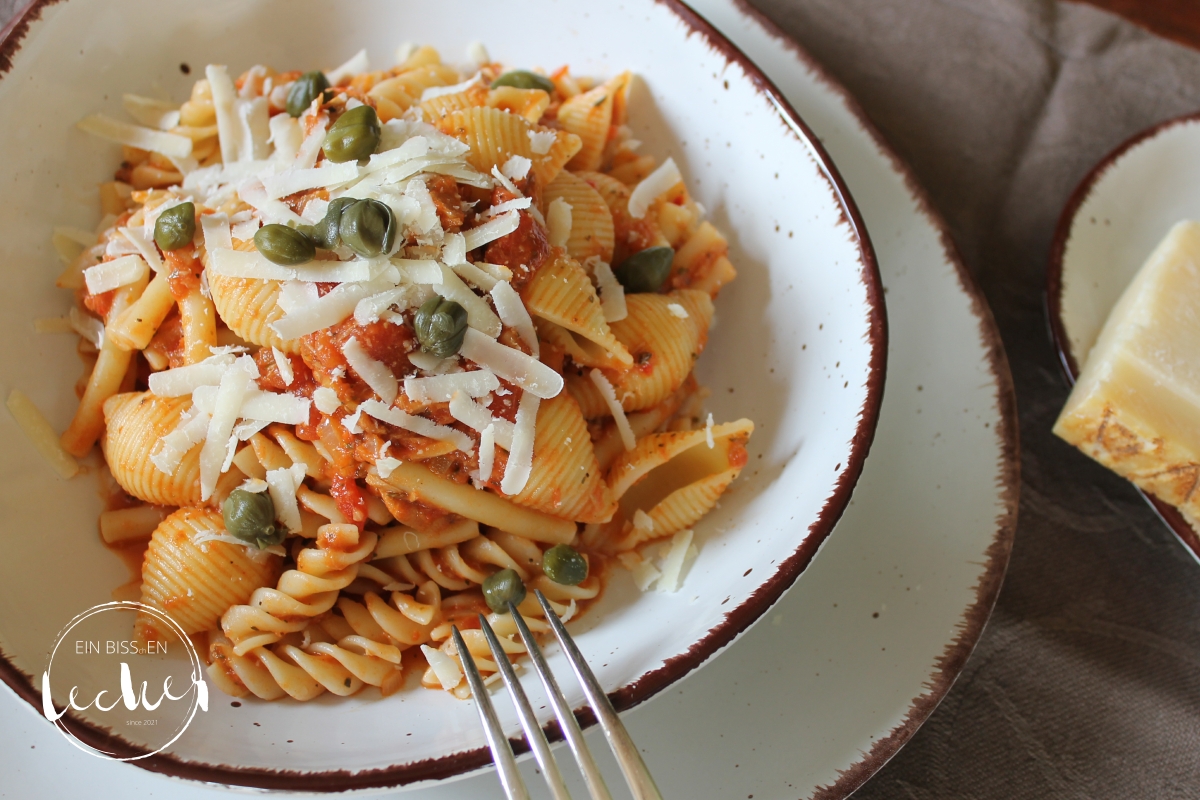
(1086, 683)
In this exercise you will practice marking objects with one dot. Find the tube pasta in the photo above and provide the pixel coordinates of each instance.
(391, 510)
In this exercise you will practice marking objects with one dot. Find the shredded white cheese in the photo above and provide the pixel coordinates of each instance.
(252, 264)
(540, 142)
(454, 251)
(327, 176)
(373, 373)
(418, 425)
(493, 229)
(144, 247)
(677, 311)
(614, 406)
(168, 144)
(506, 182)
(440, 91)
(653, 185)
(283, 484)
(558, 222)
(513, 313)
(323, 313)
(520, 457)
(326, 400)
(487, 453)
(612, 293)
(235, 384)
(446, 669)
(518, 204)
(150, 112)
(478, 54)
(512, 365)
(286, 409)
(441, 388)
(356, 64)
(284, 365)
(475, 276)
(109, 275)
(516, 168)
(674, 566)
(189, 432)
(182, 381)
(86, 326)
(478, 418)
(216, 233)
(479, 315)
(708, 432)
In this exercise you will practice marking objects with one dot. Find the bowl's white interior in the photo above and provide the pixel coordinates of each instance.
(790, 350)
(1130, 208)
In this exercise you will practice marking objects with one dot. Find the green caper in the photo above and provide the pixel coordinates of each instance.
(306, 89)
(501, 588)
(441, 326)
(524, 79)
(563, 564)
(325, 232)
(176, 227)
(283, 245)
(368, 227)
(645, 271)
(354, 136)
(250, 516)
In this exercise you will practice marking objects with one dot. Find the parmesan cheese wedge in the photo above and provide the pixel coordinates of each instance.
(1136, 405)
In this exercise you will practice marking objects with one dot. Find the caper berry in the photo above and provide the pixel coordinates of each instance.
(645, 271)
(501, 588)
(176, 227)
(441, 326)
(325, 233)
(306, 89)
(354, 136)
(250, 516)
(283, 245)
(524, 79)
(563, 564)
(368, 227)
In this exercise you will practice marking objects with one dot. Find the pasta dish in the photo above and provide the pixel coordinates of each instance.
(372, 353)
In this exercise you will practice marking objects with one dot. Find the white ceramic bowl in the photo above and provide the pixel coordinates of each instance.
(800, 345)
(1117, 215)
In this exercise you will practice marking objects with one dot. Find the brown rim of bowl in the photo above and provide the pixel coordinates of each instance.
(974, 619)
(736, 621)
(1054, 269)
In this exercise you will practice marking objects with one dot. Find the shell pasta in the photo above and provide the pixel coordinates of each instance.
(380, 351)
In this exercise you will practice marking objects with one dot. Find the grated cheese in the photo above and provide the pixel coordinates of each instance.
(284, 365)
(492, 230)
(673, 567)
(235, 384)
(350, 423)
(247, 428)
(441, 388)
(475, 276)
(286, 136)
(356, 64)
(446, 669)
(254, 486)
(422, 271)
(188, 432)
(310, 147)
(677, 311)
(454, 251)
(252, 264)
(497, 271)
(516, 168)
(614, 407)
(540, 142)
(506, 182)
(370, 309)
(440, 91)
(286, 409)
(326, 400)
(479, 315)
(283, 484)
(558, 222)
(612, 293)
(254, 116)
(373, 373)
(518, 204)
(479, 418)
(323, 313)
(168, 144)
(109, 275)
(326, 176)
(478, 54)
(431, 363)
(41, 434)
(86, 326)
(487, 453)
(229, 128)
(653, 185)
(145, 248)
(216, 233)
(512, 365)
(520, 457)
(184, 380)
(708, 432)
(270, 211)
(418, 425)
(513, 313)
(150, 112)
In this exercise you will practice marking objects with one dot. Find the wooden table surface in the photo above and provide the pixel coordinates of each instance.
(1174, 19)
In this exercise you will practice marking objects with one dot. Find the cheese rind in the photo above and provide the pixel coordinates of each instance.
(1136, 406)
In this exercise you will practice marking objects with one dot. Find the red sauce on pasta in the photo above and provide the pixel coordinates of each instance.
(524, 250)
(185, 269)
(448, 202)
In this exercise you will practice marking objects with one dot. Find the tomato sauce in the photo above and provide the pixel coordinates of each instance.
(184, 271)
(524, 250)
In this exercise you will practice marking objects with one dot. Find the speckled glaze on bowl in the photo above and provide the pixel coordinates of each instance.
(800, 346)
(1116, 216)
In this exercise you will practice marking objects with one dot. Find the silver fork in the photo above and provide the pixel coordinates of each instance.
(632, 765)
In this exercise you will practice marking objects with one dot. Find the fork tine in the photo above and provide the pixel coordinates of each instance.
(636, 774)
(506, 764)
(533, 731)
(566, 720)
